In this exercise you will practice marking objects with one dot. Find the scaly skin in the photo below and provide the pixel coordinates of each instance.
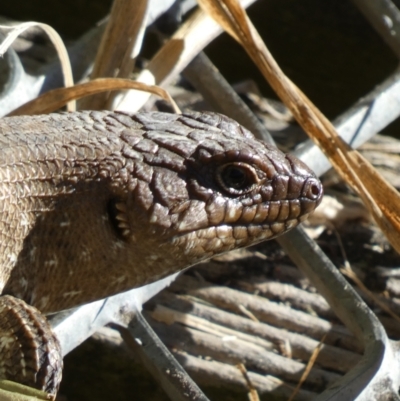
(96, 203)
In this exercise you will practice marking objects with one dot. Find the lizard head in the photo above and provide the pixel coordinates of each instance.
(213, 187)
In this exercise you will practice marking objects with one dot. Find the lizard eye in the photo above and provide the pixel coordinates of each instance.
(237, 178)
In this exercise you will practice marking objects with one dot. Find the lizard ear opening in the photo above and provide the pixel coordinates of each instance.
(118, 217)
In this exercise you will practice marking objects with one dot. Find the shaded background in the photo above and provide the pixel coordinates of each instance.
(326, 47)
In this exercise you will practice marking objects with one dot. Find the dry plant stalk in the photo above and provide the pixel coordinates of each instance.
(308, 368)
(57, 98)
(380, 198)
(122, 37)
(170, 316)
(252, 394)
(184, 45)
(247, 313)
(16, 30)
(348, 272)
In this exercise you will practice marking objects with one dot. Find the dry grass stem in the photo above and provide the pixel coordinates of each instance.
(213, 373)
(57, 98)
(288, 293)
(290, 344)
(309, 366)
(247, 313)
(253, 395)
(16, 30)
(192, 37)
(269, 312)
(348, 272)
(236, 350)
(120, 44)
(170, 316)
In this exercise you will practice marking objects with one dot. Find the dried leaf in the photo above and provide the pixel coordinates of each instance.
(57, 98)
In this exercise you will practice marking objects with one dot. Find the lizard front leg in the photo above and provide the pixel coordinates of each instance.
(30, 353)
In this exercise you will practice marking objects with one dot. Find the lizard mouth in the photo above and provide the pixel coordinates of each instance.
(264, 220)
(210, 241)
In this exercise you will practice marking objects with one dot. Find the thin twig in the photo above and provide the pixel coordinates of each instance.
(309, 366)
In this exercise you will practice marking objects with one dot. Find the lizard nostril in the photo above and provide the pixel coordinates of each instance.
(313, 189)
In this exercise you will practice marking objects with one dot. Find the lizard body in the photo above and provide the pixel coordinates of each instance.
(96, 203)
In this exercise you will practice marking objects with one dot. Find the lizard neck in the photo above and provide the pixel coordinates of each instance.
(55, 227)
